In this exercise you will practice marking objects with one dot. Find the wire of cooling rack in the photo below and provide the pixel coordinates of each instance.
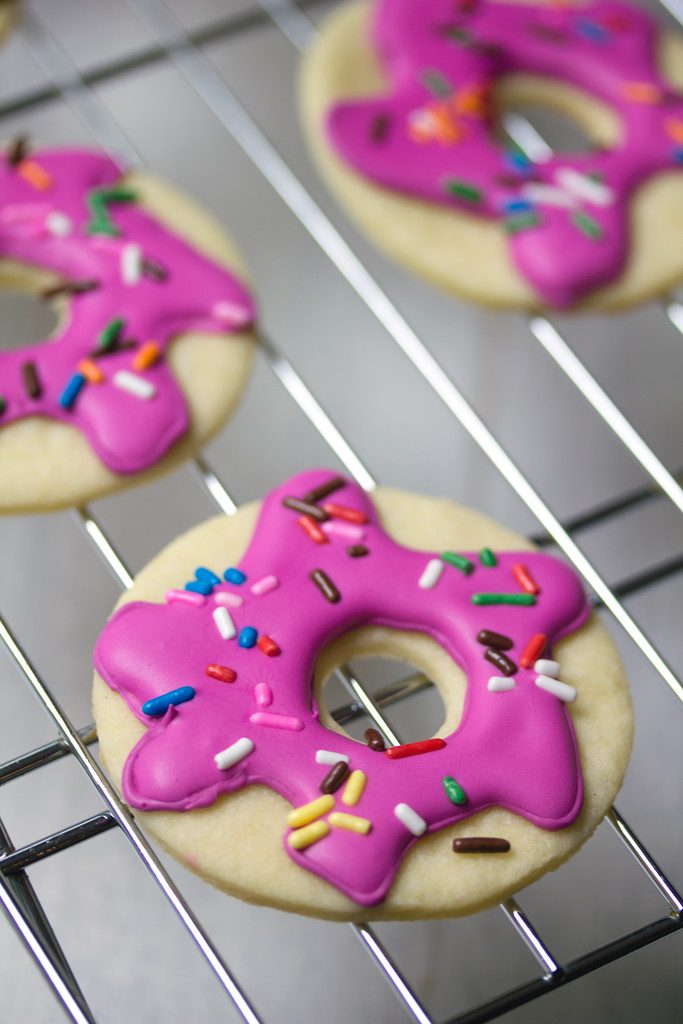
(75, 90)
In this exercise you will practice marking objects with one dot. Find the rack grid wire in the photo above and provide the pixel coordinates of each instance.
(183, 50)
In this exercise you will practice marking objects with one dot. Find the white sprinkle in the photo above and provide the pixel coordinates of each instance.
(544, 667)
(549, 195)
(234, 753)
(232, 314)
(564, 691)
(228, 598)
(583, 187)
(265, 585)
(410, 818)
(497, 684)
(430, 576)
(349, 531)
(330, 757)
(131, 263)
(134, 385)
(57, 223)
(224, 623)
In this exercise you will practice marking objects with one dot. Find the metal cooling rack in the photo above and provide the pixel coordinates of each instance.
(19, 900)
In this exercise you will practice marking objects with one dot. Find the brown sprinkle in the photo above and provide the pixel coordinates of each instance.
(29, 372)
(325, 586)
(306, 508)
(357, 551)
(380, 128)
(69, 288)
(374, 740)
(154, 270)
(481, 844)
(17, 151)
(317, 493)
(490, 639)
(501, 661)
(334, 777)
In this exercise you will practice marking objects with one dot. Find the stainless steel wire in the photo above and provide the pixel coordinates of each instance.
(294, 24)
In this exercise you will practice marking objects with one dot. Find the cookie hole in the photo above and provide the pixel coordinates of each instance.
(419, 689)
(25, 318)
(568, 119)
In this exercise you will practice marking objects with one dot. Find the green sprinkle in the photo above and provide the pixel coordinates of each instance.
(586, 224)
(110, 335)
(520, 222)
(456, 35)
(454, 791)
(458, 561)
(101, 223)
(462, 190)
(3, 405)
(436, 83)
(596, 176)
(487, 557)
(503, 599)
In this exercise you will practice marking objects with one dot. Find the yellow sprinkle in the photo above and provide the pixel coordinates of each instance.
(350, 822)
(147, 356)
(641, 92)
(309, 812)
(353, 790)
(35, 175)
(304, 837)
(90, 371)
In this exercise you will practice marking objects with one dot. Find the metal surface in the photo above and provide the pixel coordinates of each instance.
(168, 41)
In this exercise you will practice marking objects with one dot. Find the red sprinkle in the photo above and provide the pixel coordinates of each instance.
(410, 749)
(312, 529)
(352, 515)
(525, 579)
(533, 650)
(222, 673)
(268, 646)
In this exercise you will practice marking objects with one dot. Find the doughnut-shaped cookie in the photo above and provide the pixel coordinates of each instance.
(402, 100)
(152, 346)
(221, 744)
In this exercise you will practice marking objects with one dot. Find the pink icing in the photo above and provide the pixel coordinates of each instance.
(126, 432)
(515, 749)
(415, 141)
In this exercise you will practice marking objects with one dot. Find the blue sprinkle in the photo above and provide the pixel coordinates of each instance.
(517, 160)
(68, 395)
(234, 576)
(199, 587)
(517, 205)
(247, 637)
(678, 155)
(591, 30)
(206, 576)
(158, 705)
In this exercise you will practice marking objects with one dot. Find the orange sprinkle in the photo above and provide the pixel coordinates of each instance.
(641, 92)
(147, 356)
(35, 175)
(90, 371)
(674, 129)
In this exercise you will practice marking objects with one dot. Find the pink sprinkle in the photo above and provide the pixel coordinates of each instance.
(349, 531)
(228, 598)
(232, 314)
(263, 695)
(265, 585)
(276, 721)
(188, 596)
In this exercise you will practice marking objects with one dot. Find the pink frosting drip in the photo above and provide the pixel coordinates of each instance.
(127, 433)
(515, 749)
(413, 141)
